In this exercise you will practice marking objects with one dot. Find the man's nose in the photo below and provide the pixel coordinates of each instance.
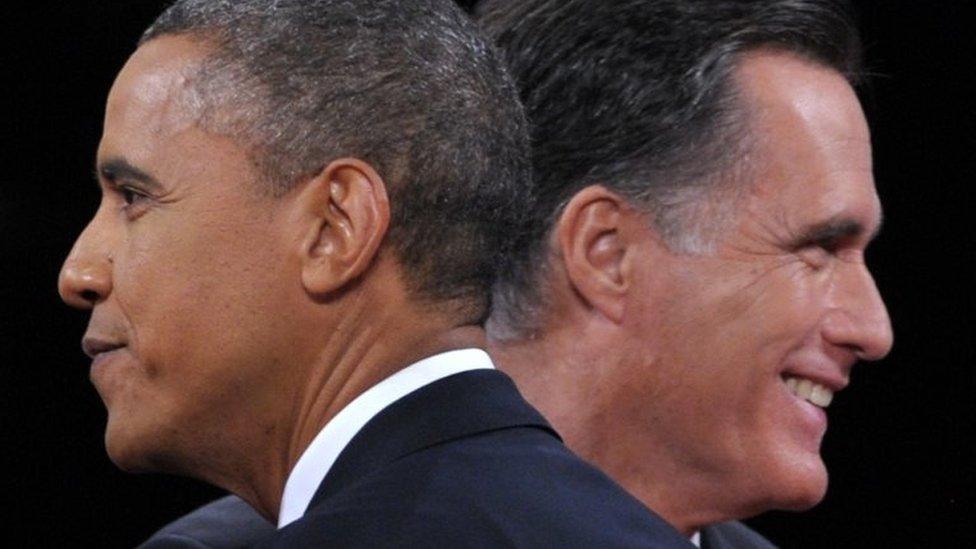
(86, 276)
(859, 319)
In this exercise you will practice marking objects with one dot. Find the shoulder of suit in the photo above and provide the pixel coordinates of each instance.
(226, 523)
(507, 487)
(733, 535)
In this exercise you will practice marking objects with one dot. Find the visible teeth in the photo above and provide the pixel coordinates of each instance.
(823, 396)
(816, 394)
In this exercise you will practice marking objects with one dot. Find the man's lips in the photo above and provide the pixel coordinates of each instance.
(815, 378)
(816, 386)
(94, 346)
(810, 391)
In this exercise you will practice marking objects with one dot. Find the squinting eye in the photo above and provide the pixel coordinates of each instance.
(830, 245)
(816, 253)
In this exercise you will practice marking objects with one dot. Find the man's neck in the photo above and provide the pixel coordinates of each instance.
(354, 359)
(566, 379)
(362, 363)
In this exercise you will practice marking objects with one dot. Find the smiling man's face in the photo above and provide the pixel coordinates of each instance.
(738, 351)
(184, 269)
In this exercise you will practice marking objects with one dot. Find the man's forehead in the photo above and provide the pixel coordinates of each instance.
(791, 96)
(812, 159)
(807, 89)
(151, 91)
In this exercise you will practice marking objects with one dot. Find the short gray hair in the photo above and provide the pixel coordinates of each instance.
(410, 87)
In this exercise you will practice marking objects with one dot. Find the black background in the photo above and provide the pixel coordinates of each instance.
(899, 447)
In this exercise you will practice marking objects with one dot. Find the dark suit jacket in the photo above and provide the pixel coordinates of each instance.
(229, 523)
(466, 462)
(732, 535)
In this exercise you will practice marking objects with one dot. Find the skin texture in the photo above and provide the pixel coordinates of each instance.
(227, 326)
(666, 369)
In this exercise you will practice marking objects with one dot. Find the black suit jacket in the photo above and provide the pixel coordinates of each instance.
(732, 535)
(229, 523)
(466, 462)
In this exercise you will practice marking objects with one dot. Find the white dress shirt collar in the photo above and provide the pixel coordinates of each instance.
(321, 454)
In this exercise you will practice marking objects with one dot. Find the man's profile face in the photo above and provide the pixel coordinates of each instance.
(182, 268)
(784, 303)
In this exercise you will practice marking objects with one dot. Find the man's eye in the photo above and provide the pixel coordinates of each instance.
(134, 202)
(828, 245)
(816, 253)
(130, 196)
(831, 245)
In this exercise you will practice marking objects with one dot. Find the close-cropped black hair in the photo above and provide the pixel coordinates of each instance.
(638, 95)
(413, 88)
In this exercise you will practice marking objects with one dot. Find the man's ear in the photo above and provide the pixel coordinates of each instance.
(598, 238)
(347, 213)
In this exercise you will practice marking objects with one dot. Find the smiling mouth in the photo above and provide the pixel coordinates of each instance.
(810, 391)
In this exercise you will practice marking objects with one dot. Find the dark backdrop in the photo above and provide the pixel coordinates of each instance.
(899, 447)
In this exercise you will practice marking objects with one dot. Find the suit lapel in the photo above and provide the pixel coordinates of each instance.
(457, 406)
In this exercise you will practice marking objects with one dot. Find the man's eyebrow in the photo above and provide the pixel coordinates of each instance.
(114, 169)
(837, 228)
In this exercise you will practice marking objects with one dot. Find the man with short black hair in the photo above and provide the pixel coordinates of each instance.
(693, 273)
(304, 203)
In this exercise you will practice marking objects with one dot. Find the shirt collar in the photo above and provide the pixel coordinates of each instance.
(315, 462)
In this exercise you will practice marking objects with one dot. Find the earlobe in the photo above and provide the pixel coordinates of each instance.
(595, 249)
(347, 212)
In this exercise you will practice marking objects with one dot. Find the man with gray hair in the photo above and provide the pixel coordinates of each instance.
(304, 204)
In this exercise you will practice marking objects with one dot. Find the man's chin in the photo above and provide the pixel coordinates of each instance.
(124, 457)
(131, 450)
(784, 481)
(804, 488)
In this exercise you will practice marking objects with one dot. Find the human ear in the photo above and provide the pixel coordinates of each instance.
(595, 243)
(348, 213)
